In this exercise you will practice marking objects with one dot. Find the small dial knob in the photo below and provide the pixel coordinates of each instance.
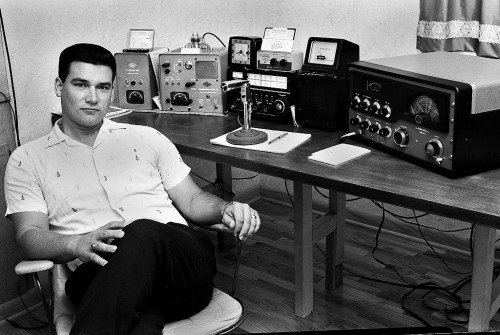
(434, 148)
(373, 128)
(355, 121)
(365, 103)
(274, 61)
(280, 106)
(401, 137)
(385, 132)
(188, 65)
(364, 124)
(375, 107)
(386, 111)
(167, 71)
(356, 100)
(283, 62)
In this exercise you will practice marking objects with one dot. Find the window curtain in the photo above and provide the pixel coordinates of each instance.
(460, 25)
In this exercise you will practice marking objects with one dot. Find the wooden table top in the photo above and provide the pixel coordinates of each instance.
(378, 175)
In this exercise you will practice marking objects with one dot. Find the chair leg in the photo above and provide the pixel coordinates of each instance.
(44, 303)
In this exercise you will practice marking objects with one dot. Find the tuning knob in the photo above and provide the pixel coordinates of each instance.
(283, 62)
(365, 104)
(434, 148)
(280, 106)
(273, 61)
(375, 107)
(401, 137)
(354, 121)
(386, 111)
(364, 124)
(373, 128)
(355, 101)
(385, 132)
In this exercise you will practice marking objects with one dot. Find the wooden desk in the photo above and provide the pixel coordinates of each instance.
(377, 176)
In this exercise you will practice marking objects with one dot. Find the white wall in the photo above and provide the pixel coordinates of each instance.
(38, 30)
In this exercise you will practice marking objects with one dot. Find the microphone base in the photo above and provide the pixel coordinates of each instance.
(246, 137)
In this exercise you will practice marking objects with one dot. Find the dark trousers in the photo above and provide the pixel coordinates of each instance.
(159, 273)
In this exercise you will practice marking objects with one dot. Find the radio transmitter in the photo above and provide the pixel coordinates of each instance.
(135, 80)
(320, 87)
(190, 82)
(440, 110)
(271, 97)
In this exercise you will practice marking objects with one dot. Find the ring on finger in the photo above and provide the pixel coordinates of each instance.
(93, 246)
(254, 216)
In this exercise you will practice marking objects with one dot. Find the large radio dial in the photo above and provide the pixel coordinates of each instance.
(401, 137)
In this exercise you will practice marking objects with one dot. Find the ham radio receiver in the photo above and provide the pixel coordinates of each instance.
(440, 110)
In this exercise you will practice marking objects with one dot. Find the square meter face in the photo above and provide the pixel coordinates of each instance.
(243, 50)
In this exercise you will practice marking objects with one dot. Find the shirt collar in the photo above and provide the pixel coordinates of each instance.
(56, 135)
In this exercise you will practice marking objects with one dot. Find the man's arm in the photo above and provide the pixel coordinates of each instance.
(38, 242)
(205, 208)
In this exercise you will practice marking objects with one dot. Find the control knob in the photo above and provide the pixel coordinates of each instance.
(280, 106)
(375, 107)
(354, 121)
(401, 137)
(283, 62)
(273, 61)
(364, 124)
(365, 103)
(355, 101)
(385, 132)
(373, 128)
(386, 111)
(434, 148)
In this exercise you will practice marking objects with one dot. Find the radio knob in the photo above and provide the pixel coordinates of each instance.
(364, 124)
(280, 106)
(386, 111)
(283, 62)
(355, 101)
(355, 121)
(375, 107)
(373, 128)
(274, 61)
(401, 137)
(189, 83)
(167, 64)
(365, 103)
(167, 71)
(188, 65)
(434, 148)
(385, 132)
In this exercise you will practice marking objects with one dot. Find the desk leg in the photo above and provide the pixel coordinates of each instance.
(223, 173)
(335, 241)
(482, 275)
(303, 240)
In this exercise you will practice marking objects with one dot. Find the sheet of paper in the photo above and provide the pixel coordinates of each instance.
(281, 146)
(339, 154)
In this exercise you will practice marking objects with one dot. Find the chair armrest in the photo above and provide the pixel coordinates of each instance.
(25, 267)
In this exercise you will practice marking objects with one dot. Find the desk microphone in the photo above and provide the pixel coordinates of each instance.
(233, 84)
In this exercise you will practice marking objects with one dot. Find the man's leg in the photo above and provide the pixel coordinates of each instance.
(169, 262)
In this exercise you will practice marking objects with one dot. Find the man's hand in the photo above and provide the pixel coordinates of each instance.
(89, 245)
(240, 219)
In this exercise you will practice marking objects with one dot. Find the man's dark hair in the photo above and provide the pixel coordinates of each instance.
(86, 53)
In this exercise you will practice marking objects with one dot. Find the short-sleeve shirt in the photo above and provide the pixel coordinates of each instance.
(125, 176)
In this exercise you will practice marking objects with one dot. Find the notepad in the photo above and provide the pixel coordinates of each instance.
(339, 154)
(281, 146)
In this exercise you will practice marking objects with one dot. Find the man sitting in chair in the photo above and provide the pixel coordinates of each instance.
(107, 198)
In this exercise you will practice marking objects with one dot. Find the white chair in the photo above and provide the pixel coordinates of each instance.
(223, 314)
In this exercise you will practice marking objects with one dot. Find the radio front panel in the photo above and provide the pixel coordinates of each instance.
(271, 94)
(402, 115)
(191, 82)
